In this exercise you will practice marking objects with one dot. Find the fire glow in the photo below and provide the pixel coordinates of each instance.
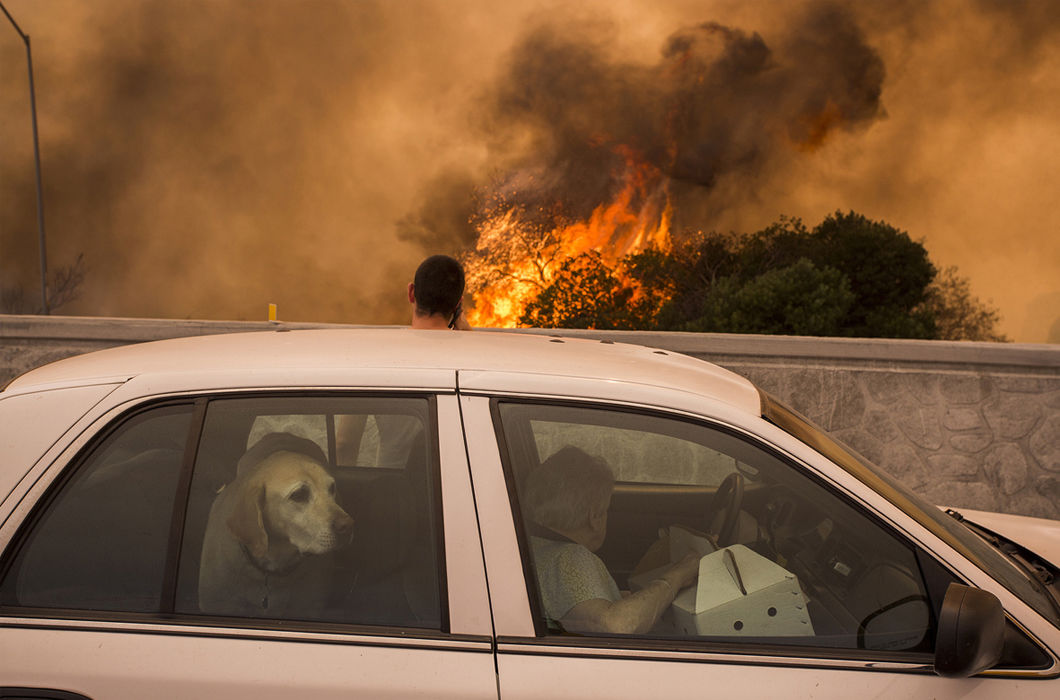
(637, 218)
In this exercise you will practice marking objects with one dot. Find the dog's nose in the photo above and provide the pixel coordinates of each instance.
(342, 524)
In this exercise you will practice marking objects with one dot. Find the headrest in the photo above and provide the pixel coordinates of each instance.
(280, 442)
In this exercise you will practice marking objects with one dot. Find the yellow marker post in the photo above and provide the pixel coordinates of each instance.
(272, 312)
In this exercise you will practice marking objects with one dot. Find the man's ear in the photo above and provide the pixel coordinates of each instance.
(247, 522)
(412, 293)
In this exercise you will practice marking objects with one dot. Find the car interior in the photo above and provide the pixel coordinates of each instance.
(863, 586)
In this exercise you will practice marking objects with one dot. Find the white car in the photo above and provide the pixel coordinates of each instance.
(349, 513)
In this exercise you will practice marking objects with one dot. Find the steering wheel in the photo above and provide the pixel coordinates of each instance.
(726, 506)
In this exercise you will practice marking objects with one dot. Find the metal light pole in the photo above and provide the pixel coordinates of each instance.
(36, 156)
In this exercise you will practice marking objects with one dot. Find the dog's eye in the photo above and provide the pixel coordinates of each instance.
(300, 495)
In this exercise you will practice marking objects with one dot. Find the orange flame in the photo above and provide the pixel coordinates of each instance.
(638, 218)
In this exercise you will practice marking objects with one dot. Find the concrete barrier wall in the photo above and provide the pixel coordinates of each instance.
(973, 425)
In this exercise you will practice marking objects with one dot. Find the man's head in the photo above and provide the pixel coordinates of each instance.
(438, 286)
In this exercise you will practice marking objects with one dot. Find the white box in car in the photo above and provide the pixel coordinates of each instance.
(741, 593)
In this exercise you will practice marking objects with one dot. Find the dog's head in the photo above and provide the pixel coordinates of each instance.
(289, 499)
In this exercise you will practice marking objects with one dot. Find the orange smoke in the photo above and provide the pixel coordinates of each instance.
(815, 128)
(514, 259)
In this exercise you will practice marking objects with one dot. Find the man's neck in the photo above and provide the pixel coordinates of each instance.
(436, 322)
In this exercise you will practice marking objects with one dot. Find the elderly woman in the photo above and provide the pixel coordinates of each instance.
(565, 502)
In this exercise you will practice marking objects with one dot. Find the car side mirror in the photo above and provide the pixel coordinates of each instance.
(971, 632)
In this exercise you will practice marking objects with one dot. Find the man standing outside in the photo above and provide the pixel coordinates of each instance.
(435, 294)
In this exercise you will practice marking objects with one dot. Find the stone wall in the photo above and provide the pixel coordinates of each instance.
(970, 438)
(973, 425)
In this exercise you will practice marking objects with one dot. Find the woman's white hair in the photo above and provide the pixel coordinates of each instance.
(566, 489)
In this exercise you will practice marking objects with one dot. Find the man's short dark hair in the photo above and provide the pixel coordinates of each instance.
(439, 285)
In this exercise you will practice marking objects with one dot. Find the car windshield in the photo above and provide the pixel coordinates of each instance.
(949, 529)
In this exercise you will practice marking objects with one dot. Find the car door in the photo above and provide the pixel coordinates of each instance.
(809, 594)
(103, 581)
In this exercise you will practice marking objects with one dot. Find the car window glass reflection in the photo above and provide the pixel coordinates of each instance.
(628, 452)
(679, 530)
(102, 542)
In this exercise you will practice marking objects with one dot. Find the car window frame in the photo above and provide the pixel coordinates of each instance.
(918, 660)
(114, 421)
(67, 473)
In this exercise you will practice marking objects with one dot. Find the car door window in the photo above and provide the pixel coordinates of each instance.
(102, 541)
(317, 508)
(777, 556)
(292, 508)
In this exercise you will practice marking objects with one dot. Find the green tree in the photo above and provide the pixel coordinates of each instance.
(676, 284)
(889, 275)
(800, 299)
(887, 272)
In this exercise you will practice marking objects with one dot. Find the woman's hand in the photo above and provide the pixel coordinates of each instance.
(684, 572)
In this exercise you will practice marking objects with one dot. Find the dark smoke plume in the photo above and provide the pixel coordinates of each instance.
(720, 102)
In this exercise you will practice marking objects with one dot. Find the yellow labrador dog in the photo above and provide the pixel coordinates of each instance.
(266, 532)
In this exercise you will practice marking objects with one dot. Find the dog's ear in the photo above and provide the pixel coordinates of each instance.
(247, 520)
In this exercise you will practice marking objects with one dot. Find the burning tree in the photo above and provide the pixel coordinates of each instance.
(513, 261)
(523, 244)
(587, 293)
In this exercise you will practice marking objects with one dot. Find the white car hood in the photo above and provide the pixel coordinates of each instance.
(1036, 534)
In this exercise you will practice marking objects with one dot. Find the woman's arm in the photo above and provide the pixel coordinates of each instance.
(636, 613)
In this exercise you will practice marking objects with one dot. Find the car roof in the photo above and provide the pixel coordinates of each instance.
(400, 348)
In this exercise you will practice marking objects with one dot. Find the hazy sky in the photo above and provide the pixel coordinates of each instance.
(209, 157)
